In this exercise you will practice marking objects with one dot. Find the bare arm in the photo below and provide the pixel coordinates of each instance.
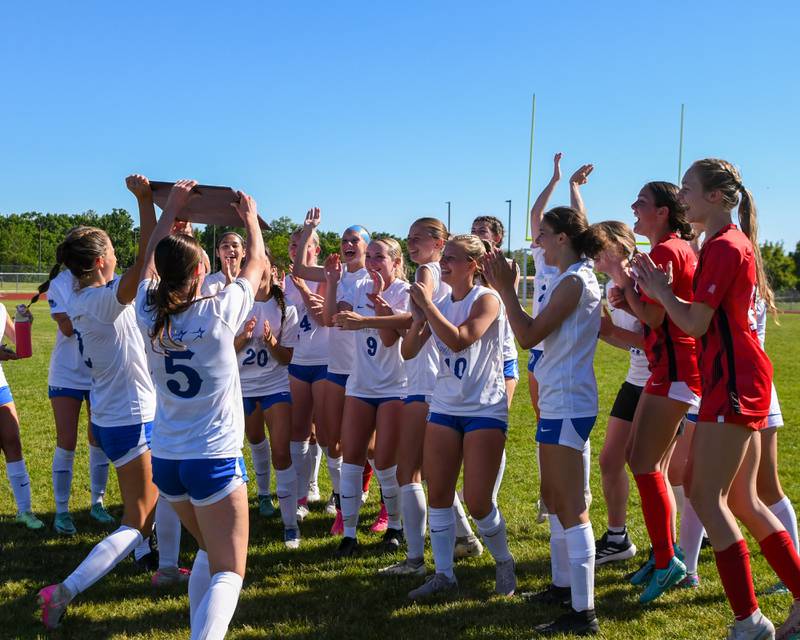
(301, 267)
(282, 354)
(64, 323)
(539, 206)
(256, 257)
(9, 330)
(417, 335)
(140, 187)
(578, 179)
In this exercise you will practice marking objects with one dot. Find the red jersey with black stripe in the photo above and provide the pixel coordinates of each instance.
(737, 374)
(671, 353)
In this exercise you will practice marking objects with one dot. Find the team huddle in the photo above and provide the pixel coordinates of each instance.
(412, 378)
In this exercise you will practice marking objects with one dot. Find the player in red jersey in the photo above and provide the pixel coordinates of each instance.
(736, 375)
(674, 384)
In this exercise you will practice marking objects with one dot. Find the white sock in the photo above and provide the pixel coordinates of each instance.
(262, 465)
(105, 555)
(580, 548)
(335, 472)
(784, 511)
(413, 507)
(493, 531)
(559, 558)
(691, 536)
(301, 461)
(286, 488)
(20, 483)
(499, 479)
(463, 529)
(350, 497)
(98, 473)
(316, 460)
(443, 539)
(198, 583)
(217, 607)
(391, 495)
(680, 497)
(63, 462)
(168, 530)
(587, 473)
(142, 548)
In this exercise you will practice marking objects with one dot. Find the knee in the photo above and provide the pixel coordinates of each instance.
(611, 463)
(479, 504)
(281, 460)
(675, 475)
(769, 490)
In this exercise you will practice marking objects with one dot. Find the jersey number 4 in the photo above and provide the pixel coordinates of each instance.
(193, 379)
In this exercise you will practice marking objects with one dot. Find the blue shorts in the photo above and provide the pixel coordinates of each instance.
(534, 358)
(511, 370)
(123, 444)
(265, 401)
(5, 396)
(338, 378)
(568, 432)
(309, 373)
(65, 392)
(692, 417)
(465, 424)
(417, 398)
(204, 481)
(377, 402)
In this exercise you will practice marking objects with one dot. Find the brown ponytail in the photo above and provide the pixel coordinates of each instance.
(585, 240)
(45, 286)
(665, 194)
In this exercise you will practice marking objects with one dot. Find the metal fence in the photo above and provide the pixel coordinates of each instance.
(20, 281)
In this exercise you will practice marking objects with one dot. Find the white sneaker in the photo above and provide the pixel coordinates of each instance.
(756, 627)
(791, 625)
(313, 492)
(364, 497)
(291, 538)
(467, 547)
(405, 567)
(330, 506)
(302, 512)
(437, 583)
(541, 512)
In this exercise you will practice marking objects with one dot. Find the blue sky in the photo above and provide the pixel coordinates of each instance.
(380, 113)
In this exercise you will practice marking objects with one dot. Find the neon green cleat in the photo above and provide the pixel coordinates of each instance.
(64, 525)
(99, 513)
(29, 520)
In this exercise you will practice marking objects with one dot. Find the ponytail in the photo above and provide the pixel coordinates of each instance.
(276, 292)
(45, 286)
(585, 240)
(665, 194)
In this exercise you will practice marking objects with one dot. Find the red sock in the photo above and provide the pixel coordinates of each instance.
(779, 551)
(733, 565)
(656, 510)
(366, 477)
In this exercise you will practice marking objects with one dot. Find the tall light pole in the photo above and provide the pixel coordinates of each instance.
(39, 224)
(508, 230)
(448, 215)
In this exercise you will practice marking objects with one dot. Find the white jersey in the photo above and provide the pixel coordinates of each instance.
(259, 373)
(312, 344)
(565, 372)
(509, 345)
(638, 369)
(213, 284)
(3, 316)
(470, 382)
(544, 273)
(67, 367)
(110, 343)
(775, 418)
(341, 343)
(378, 370)
(424, 367)
(199, 412)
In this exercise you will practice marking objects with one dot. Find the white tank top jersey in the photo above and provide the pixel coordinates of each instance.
(509, 345)
(312, 344)
(67, 368)
(470, 382)
(423, 368)
(259, 373)
(111, 345)
(541, 281)
(199, 413)
(565, 372)
(3, 316)
(340, 343)
(213, 284)
(378, 371)
(638, 369)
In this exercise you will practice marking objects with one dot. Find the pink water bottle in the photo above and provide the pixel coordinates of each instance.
(22, 327)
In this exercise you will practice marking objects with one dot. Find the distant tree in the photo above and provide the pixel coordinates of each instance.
(780, 267)
(795, 255)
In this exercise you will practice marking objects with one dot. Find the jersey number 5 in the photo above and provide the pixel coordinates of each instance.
(193, 379)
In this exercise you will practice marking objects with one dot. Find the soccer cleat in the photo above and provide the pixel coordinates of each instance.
(347, 547)
(381, 523)
(691, 581)
(53, 601)
(63, 524)
(330, 505)
(643, 573)
(99, 513)
(610, 551)
(291, 538)
(407, 567)
(505, 578)
(392, 540)
(337, 528)
(148, 562)
(776, 589)
(552, 595)
(467, 547)
(663, 579)
(313, 492)
(302, 512)
(435, 584)
(364, 497)
(791, 626)
(756, 627)
(29, 520)
(169, 576)
(265, 506)
(576, 623)
(541, 512)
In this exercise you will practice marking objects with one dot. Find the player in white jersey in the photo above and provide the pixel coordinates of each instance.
(123, 397)
(468, 416)
(199, 424)
(568, 323)
(10, 441)
(376, 312)
(264, 346)
(230, 251)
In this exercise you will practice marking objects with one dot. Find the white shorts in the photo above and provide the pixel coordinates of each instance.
(775, 417)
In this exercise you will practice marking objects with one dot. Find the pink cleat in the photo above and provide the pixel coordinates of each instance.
(169, 576)
(338, 524)
(381, 522)
(53, 600)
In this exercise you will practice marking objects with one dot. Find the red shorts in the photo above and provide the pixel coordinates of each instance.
(756, 423)
(680, 391)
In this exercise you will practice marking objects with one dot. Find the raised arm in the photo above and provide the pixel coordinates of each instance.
(576, 181)
(301, 267)
(333, 273)
(256, 257)
(417, 335)
(539, 206)
(140, 187)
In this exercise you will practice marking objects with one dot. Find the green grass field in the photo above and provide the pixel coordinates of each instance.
(306, 594)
